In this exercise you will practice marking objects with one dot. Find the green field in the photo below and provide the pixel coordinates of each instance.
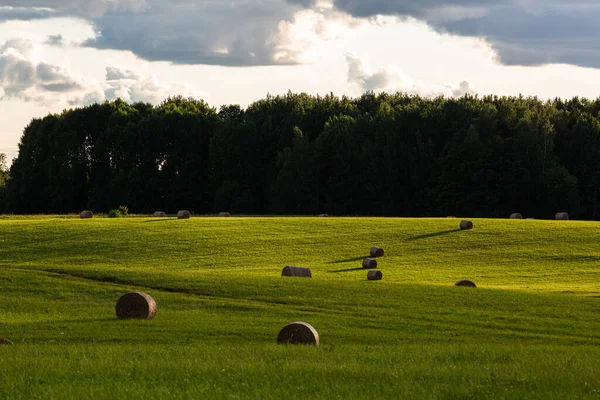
(530, 330)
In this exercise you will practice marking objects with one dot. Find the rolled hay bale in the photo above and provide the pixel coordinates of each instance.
(516, 216)
(298, 333)
(5, 342)
(86, 214)
(465, 283)
(374, 275)
(224, 214)
(159, 214)
(136, 305)
(562, 216)
(298, 272)
(466, 225)
(376, 251)
(369, 263)
(323, 215)
(183, 214)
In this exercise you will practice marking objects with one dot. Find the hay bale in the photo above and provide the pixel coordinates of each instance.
(369, 263)
(374, 275)
(323, 215)
(86, 214)
(159, 214)
(183, 214)
(298, 272)
(466, 225)
(224, 214)
(562, 216)
(298, 333)
(465, 283)
(5, 342)
(376, 251)
(136, 305)
(516, 216)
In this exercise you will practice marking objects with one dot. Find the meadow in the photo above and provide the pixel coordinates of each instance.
(529, 330)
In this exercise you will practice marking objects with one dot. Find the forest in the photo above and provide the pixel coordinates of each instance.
(377, 154)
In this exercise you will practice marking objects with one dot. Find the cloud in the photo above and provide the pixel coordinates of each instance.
(23, 78)
(210, 32)
(522, 32)
(274, 32)
(392, 79)
(55, 40)
(199, 32)
(295, 39)
(82, 8)
(463, 89)
(131, 86)
(8, 13)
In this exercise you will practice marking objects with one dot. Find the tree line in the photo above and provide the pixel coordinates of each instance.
(378, 154)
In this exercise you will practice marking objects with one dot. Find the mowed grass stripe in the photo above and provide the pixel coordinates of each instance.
(376, 315)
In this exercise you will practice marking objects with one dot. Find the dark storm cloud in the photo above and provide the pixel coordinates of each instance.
(237, 33)
(8, 13)
(198, 32)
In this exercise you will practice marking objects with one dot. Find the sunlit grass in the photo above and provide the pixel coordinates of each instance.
(528, 330)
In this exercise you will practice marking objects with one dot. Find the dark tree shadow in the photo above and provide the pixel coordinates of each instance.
(347, 260)
(346, 270)
(163, 219)
(430, 235)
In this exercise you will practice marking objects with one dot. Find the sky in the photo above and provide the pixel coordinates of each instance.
(59, 54)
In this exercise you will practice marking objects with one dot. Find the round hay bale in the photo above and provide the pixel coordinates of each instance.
(136, 305)
(516, 216)
(369, 263)
(376, 251)
(374, 275)
(562, 216)
(298, 272)
(323, 215)
(465, 283)
(5, 342)
(298, 333)
(183, 214)
(466, 225)
(159, 214)
(86, 214)
(224, 214)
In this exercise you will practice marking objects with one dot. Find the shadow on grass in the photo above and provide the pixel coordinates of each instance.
(347, 260)
(163, 219)
(346, 270)
(434, 234)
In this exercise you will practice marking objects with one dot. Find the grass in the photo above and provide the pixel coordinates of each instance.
(530, 329)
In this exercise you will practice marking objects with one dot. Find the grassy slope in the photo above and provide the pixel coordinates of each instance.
(529, 330)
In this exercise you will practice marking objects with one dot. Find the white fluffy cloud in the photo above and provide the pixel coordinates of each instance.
(296, 38)
(523, 32)
(24, 78)
(393, 79)
(131, 86)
